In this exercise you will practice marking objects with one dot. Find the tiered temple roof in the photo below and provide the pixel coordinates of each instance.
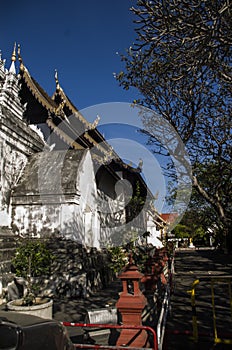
(60, 114)
(55, 111)
(62, 117)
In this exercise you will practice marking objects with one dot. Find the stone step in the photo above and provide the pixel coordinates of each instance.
(6, 254)
(5, 266)
(8, 243)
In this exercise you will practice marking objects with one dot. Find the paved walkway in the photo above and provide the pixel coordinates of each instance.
(189, 266)
(76, 310)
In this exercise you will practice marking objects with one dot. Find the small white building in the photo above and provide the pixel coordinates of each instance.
(155, 227)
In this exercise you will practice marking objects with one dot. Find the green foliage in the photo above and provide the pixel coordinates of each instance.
(181, 231)
(140, 256)
(136, 203)
(200, 237)
(193, 226)
(32, 260)
(118, 256)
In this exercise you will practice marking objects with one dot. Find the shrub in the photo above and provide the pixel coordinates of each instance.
(32, 259)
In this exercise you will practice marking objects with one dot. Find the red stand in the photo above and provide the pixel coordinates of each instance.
(131, 304)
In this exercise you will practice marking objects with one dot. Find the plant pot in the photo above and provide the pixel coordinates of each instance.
(41, 308)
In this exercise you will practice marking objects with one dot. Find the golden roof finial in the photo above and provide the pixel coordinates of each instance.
(140, 165)
(95, 123)
(56, 79)
(13, 57)
(19, 53)
(60, 108)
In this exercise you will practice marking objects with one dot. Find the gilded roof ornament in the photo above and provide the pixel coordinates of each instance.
(94, 124)
(140, 165)
(19, 53)
(59, 109)
(60, 92)
(109, 155)
(20, 57)
(13, 59)
(56, 80)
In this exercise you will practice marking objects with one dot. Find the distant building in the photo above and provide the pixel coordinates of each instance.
(169, 219)
(155, 228)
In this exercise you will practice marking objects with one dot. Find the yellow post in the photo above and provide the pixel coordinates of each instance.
(194, 313)
(229, 284)
(213, 281)
(214, 313)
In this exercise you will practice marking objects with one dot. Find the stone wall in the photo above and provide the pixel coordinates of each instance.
(8, 244)
(76, 271)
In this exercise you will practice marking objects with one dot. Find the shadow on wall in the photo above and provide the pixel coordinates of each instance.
(77, 271)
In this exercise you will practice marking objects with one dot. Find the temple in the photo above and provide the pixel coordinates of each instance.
(59, 176)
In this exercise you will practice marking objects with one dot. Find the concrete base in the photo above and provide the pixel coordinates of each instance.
(42, 309)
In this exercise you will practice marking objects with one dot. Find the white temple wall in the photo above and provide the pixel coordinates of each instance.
(155, 233)
(17, 140)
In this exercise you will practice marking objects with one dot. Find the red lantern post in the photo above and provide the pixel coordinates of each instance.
(131, 304)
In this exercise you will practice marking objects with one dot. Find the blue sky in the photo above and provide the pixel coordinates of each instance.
(79, 38)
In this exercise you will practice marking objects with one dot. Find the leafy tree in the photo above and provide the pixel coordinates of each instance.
(118, 257)
(32, 259)
(200, 237)
(200, 218)
(181, 65)
(182, 231)
(192, 227)
(136, 203)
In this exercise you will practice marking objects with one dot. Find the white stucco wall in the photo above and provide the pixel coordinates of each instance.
(88, 202)
(155, 233)
(72, 215)
(17, 143)
(12, 163)
(82, 212)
